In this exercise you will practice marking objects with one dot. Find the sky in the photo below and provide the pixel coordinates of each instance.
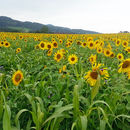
(104, 16)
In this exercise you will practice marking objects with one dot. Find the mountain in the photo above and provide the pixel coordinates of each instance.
(10, 25)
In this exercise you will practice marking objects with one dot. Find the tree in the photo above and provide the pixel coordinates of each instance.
(44, 29)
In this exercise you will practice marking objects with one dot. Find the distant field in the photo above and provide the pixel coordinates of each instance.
(64, 81)
(19, 29)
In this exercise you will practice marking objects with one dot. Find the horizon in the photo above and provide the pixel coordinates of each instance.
(95, 15)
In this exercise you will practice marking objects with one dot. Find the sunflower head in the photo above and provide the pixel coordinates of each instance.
(124, 66)
(99, 49)
(49, 46)
(18, 50)
(107, 52)
(127, 49)
(55, 44)
(6, 44)
(120, 56)
(84, 44)
(37, 47)
(72, 59)
(91, 45)
(42, 45)
(92, 59)
(125, 43)
(92, 76)
(58, 56)
(118, 42)
(112, 55)
(17, 77)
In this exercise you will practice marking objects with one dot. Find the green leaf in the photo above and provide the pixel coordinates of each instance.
(76, 102)
(83, 120)
(59, 113)
(28, 127)
(95, 89)
(102, 124)
(17, 117)
(6, 118)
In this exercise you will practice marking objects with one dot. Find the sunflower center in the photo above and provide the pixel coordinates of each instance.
(78, 43)
(125, 43)
(37, 47)
(94, 75)
(58, 56)
(128, 50)
(112, 55)
(17, 77)
(119, 57)
(55, 44)
(72, 59)
(91, 59)
(107, 52)
(126, 64)
(6, 44)
(91, 44)
(42, 45)
(99, 50)
(49, 46)
(118, 42)
(84, 44)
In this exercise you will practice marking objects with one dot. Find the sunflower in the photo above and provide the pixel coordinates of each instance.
(58, 56)
(91, 45)
(118, 42)
(6, 44)
(128, 74)
(60, 41)
(84, 44)
(18, 50)
(49, 52)
(42, 45)
(120, 56)
(89, 39)
(68, 44)
(99, 49)
(102, 43)
(20, 37)
(64, 67)
(49, 46)
(2, 43)
(92, 76)
(62, 51)
(79, 43)
(107, 52)
(97, 42)
(25, 40)
(17, 77)
(125, 43)
(92, 59)
(127, 49)
(72, 59)
(124, 66)
(55, 44)
(37, 47)
(112, 55)
(109, 46)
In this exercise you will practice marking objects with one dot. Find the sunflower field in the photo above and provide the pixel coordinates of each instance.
(64, 81)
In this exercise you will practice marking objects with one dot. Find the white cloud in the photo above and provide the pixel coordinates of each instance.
(107, 16)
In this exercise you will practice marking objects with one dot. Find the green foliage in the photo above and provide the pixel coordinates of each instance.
(52, 100)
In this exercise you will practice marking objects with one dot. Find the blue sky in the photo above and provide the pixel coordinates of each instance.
(106, 16)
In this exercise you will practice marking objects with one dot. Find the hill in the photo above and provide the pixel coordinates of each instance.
(10, 25)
